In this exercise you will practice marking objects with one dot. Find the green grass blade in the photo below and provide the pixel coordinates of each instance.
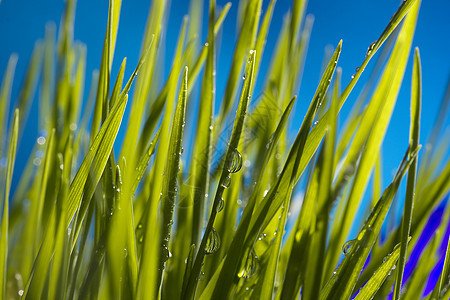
(169, 188)
(5, 94)
(370, 134)
(191, 286)
(371, 287)
(416, 103)
(149, 220)
(343, 280)
(142, 165)
(246, 40)
(201, 158)
(99, 152)
(318, 131)
(5, 218)
(236, 246)
(319, 227)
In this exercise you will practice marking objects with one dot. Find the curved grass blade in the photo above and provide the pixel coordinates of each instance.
(98, 154)
(343, 280)
(236, 246)
(191, 286)
(315, 137)
(416, 103)
(158, 105)
(369, 290)
(370, 134)
(5, 218)
(257, 221)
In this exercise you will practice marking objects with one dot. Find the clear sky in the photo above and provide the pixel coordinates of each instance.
(357, 22)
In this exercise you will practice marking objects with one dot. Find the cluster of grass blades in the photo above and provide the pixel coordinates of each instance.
(87, 221)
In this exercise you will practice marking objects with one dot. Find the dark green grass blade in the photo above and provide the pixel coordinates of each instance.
(416, 103)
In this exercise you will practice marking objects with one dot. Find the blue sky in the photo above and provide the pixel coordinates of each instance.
(358, 23)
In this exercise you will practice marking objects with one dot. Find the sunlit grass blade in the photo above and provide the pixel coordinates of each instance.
(318, 131)
(200, 168)
(235, 247)
(416, 103)
(319, 227)
(369, 290)
(5, 219)
(246, 40)
(281, 190)
(142, 165)
(231, 155)
(148, 271)
(169, 187)
(370, 134)
(343, 280)
(98, 153)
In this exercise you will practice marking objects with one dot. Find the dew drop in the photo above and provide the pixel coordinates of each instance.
(348, 247)
(370, 49)
(36, 161)
(243, 76)
(140, 233)
(250, 266)
(41, 140)
(226, 182)
(165, 254)
(182, 150)
(353, 76)
(213, 242)
(20, 292)
(73, 126)
(236, 163)
(220, 206)
(357, 69)
(201, 276)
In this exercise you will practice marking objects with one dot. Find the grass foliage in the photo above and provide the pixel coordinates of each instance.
(94, 217)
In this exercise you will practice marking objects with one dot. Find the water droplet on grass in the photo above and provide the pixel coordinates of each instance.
(357, 69)
(348, 247)
(220, 206)
(41, 140)
(226, 182)
(236, 163)
(213, 242)
(250, 266)
(370, 49)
